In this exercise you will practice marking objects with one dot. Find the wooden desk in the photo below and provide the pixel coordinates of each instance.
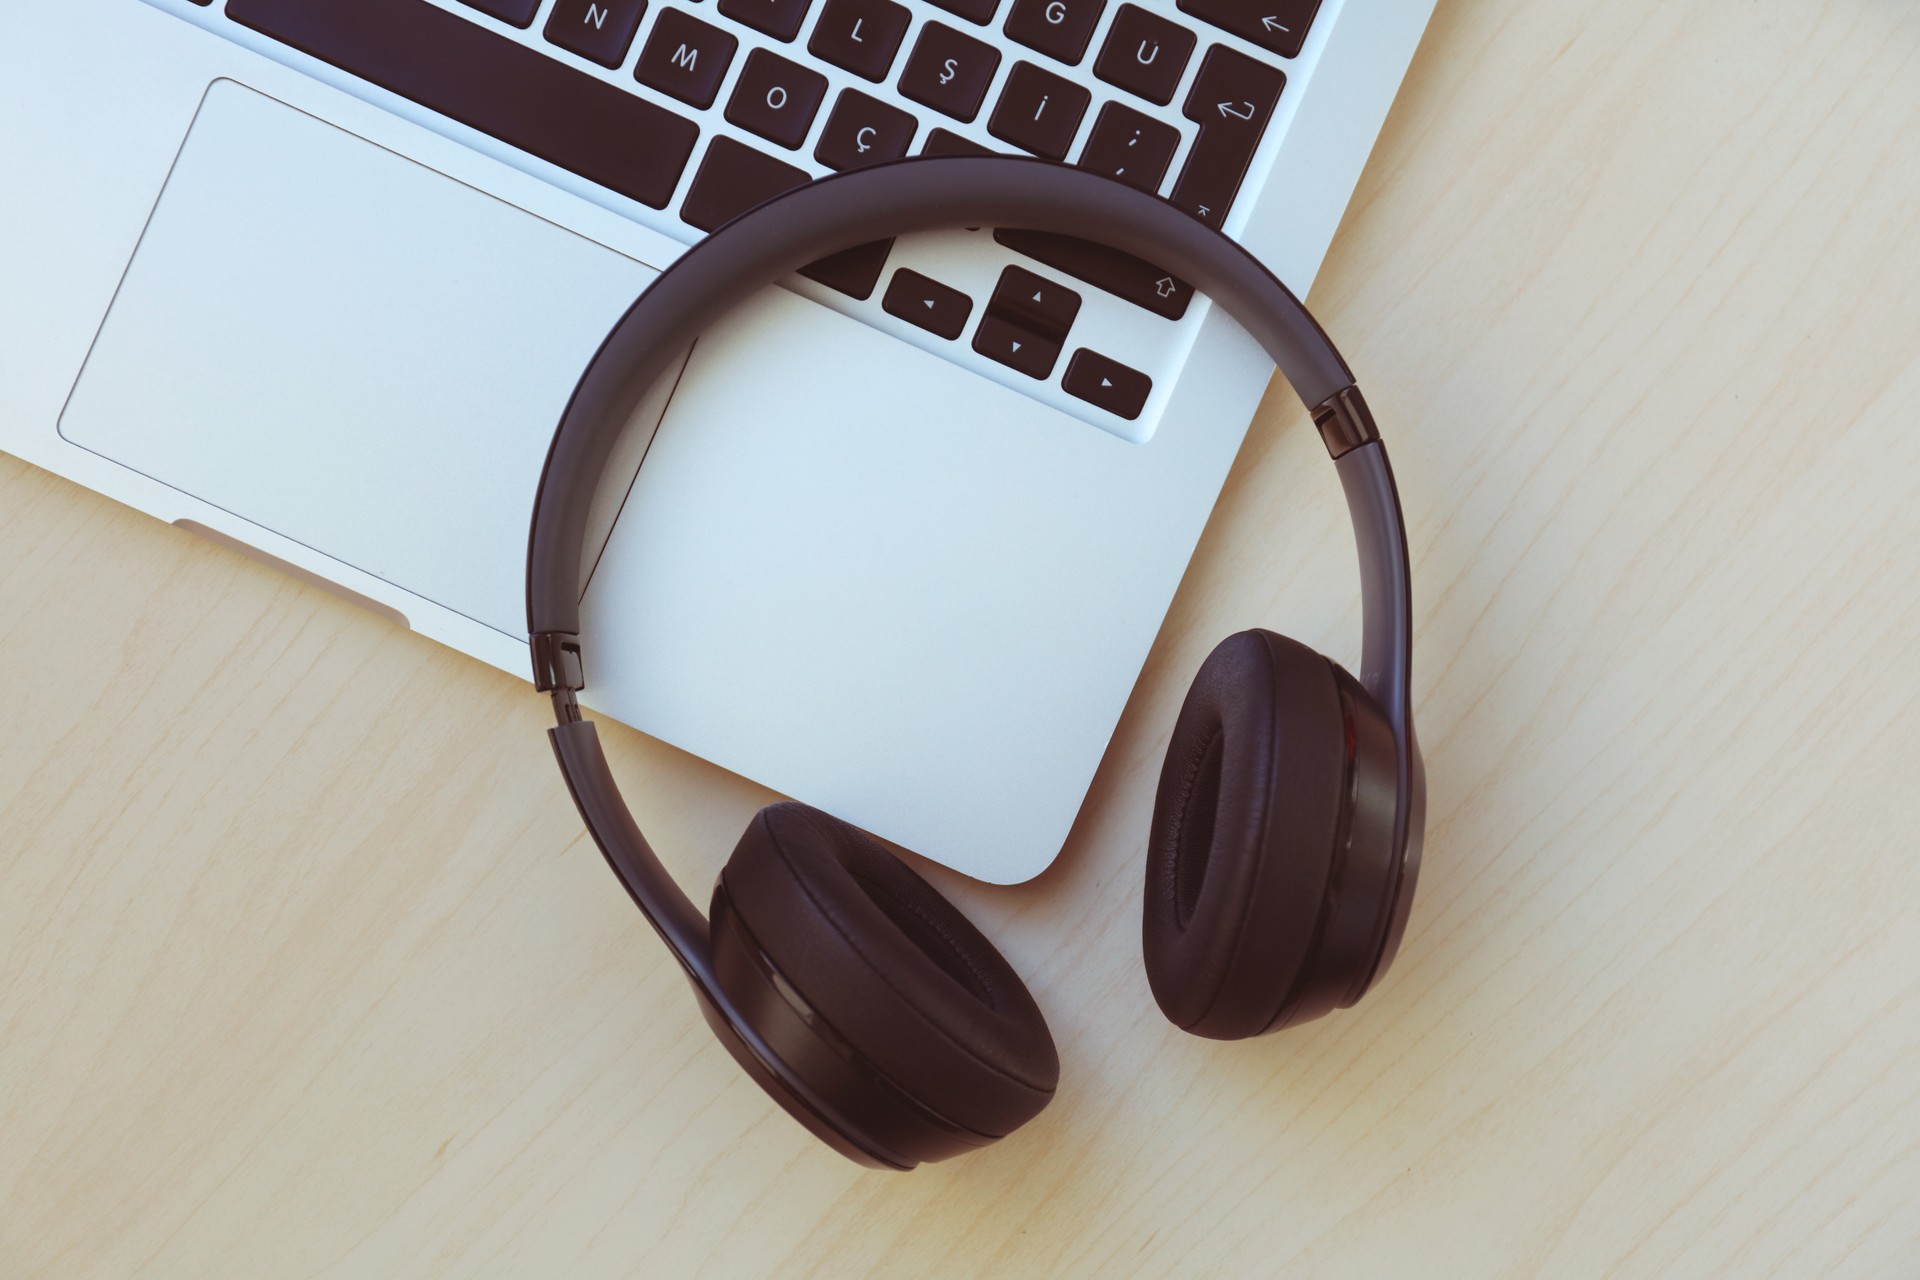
(305, 968)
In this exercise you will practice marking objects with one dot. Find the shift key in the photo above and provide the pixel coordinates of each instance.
(482, 79)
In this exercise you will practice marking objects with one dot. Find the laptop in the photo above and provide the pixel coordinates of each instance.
(315, 277)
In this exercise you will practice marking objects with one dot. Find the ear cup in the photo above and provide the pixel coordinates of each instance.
(902, 978)
(1243, 843)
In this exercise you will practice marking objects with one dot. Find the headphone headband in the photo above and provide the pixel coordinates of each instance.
(874, 203)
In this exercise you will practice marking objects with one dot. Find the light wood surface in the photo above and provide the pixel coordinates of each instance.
(306, 969)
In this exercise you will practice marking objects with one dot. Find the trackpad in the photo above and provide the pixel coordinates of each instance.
(350, 349)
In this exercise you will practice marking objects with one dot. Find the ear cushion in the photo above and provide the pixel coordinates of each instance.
(1243, 836)
(897, 970)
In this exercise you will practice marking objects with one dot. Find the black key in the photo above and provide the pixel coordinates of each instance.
(942, 143)
(1132, 147)
(685, 57)
(1144, 54)
(1002, 340)
(1035, 303)
(778, 18)
(776, 98)
(949, 71)
(1026, 322)
(731, 180)
(1232, 99)
(1276, 25)
(486, 81)
(980, 11)
(921, 301)
(598, 29)
(518, 12)
(852, 271)
(1039, 111)
(1057, 28)
(1107, 383)
(861, 130)
(1120, 274)
(859, 35)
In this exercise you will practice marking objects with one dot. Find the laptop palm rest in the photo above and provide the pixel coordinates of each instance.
(848, 569)
(351, 350)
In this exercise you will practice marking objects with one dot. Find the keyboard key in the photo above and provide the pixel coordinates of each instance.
(940, 142)
(518, 12)
(776, 99)
(778, 18)
(1278, 26)
(1132, 147)
(1144, 54)
(1232, 99)
(1107, 383)
(731, 180)
(1035, 303)
(980, 11)
(859, 35)
(1058, 28)
(1026, 322)
(949, 71)
(486, 81)
(1120, 274)
(685, 57)
(852, 271)
(927, 303)
(598, 29)
(1039, 111)
(1002, 340)
(861, 130)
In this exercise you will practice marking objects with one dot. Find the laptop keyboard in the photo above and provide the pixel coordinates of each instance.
(629, 95)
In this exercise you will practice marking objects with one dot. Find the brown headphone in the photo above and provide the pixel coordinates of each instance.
(1287, 829)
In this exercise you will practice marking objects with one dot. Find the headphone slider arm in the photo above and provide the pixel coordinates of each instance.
(556, 661)
(1345, 422)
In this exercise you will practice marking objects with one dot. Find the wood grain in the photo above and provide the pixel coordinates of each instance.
(305, 969)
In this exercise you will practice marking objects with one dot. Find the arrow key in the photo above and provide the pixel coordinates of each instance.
(923, 301)
(1035, 303)
(1107, 384)
(1004, 340)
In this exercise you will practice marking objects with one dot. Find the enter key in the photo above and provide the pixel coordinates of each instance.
(1232, 100)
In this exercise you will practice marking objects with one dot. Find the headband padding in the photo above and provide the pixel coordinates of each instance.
(1242, 842)
(894, 968)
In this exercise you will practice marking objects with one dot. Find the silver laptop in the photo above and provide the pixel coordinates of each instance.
(316, 276)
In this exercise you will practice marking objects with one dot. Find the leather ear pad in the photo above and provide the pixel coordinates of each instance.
(1243, 837)
(894, 967)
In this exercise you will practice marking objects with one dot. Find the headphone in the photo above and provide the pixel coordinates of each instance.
(1287, 828)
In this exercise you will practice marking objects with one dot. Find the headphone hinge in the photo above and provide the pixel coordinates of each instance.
(1345, 422)
(556, 661)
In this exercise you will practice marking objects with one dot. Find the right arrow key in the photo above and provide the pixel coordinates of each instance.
(1279, 26)
(1106, 383)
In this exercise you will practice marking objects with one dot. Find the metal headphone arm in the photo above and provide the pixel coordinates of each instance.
(874, 203)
